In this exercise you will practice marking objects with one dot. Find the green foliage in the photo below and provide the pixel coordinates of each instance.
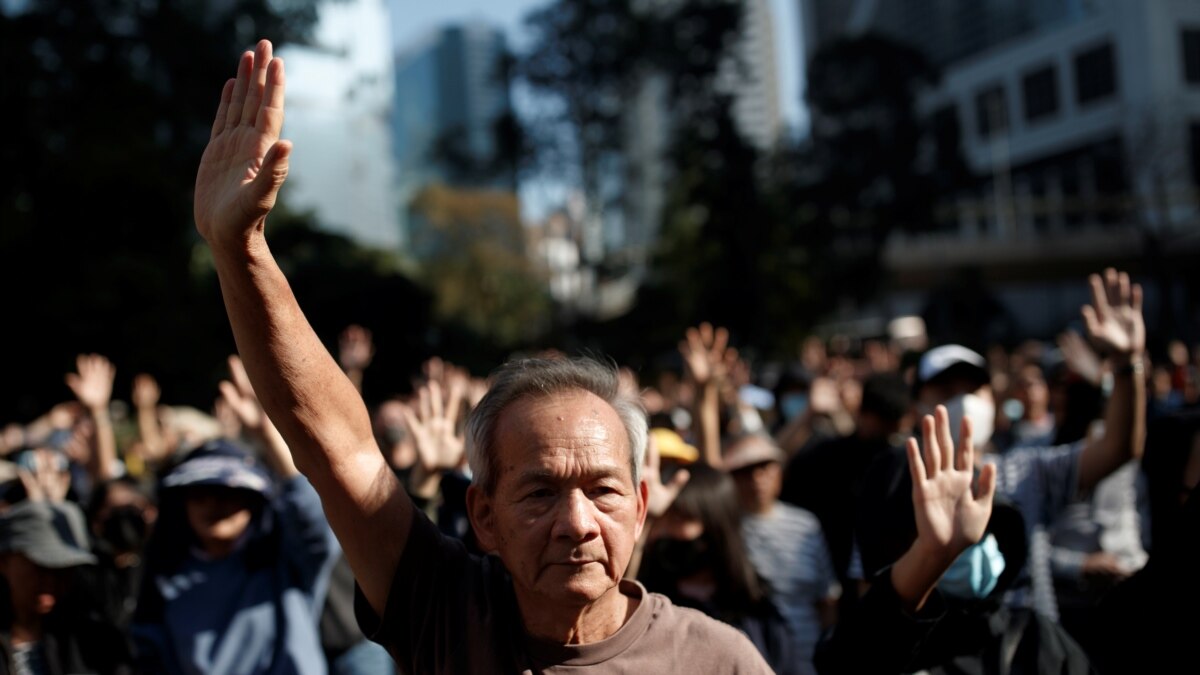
(476, 266)
(107, 106)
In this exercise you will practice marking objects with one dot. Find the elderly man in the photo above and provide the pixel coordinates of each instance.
(555, 447)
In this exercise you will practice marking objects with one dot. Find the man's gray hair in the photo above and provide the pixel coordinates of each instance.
(521, 378)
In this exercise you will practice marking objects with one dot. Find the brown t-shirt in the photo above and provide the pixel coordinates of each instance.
(452, 612)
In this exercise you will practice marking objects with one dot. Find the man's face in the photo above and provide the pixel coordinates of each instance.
(758, 486)
(565, 513)
(33, 590)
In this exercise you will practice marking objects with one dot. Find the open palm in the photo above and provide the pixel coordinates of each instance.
(245, 163)
(1114, 319)
(951, 515)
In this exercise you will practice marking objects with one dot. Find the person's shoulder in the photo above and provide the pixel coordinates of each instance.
(710, 644)
(796, 515)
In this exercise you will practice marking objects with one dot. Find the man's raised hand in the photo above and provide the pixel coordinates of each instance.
(245, 163)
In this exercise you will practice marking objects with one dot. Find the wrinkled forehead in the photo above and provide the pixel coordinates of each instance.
(565, 435)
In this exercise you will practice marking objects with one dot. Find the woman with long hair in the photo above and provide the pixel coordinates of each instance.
(695, 556)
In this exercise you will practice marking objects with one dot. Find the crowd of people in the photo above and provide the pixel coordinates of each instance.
(879, 505)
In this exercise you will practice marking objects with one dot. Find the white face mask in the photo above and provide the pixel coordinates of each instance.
(979, 410)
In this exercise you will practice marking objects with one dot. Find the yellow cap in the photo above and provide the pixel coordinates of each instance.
(671, 446)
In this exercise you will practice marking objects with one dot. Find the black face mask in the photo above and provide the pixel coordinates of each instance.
(125, 529)
(681, 558)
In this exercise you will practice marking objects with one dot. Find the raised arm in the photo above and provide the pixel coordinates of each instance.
(708, 357)
(92, 383)
(1115, 325)
(316, 408)
(887, 631)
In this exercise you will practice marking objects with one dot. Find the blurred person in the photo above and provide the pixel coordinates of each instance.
(235, 572)
(1145, 623)
(1035, 423)
(785, 543)
(827, 479)
(824, 417)
(121, 518)
(695, 555)
(1095, 544)
(42, 630)
(1039, 482)
(1177, 358)
(1164, 398)
(813, 357)
(554, 450)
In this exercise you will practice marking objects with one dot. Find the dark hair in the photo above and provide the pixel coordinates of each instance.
(100, 493)
(710, 496)
(886, 395)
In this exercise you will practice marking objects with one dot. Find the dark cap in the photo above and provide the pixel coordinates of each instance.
(220, 463)
(30, 528)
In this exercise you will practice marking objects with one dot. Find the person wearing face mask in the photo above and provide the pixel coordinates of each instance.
(936, 606)
(121, 516)
(1040, 482)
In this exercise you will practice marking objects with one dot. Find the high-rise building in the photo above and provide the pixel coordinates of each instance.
(756, 84)
(1079, 121)
(946, 30)
(451, 92)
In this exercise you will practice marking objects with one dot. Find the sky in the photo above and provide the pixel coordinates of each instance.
(419, 16)
(340, 166)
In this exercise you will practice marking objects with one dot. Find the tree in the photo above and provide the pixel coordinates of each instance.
(96, 175)
(472, 246)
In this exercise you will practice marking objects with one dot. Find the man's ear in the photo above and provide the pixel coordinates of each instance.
(482, 516)
(643, 504)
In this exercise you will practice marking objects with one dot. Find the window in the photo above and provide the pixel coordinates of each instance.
(1191, 55)
(1040, 89)
(1095, 74)
(991, 111)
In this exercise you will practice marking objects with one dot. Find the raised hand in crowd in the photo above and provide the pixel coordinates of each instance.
(1116, 327)
(355, 351)
(434, 428)
(45, 476)
(238, 394)
(92, 384)
(146, 395)
(707, 354)
(952, 508)
(709, 360)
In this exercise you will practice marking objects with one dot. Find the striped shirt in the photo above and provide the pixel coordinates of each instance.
(1040, 483)
(788, 549)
